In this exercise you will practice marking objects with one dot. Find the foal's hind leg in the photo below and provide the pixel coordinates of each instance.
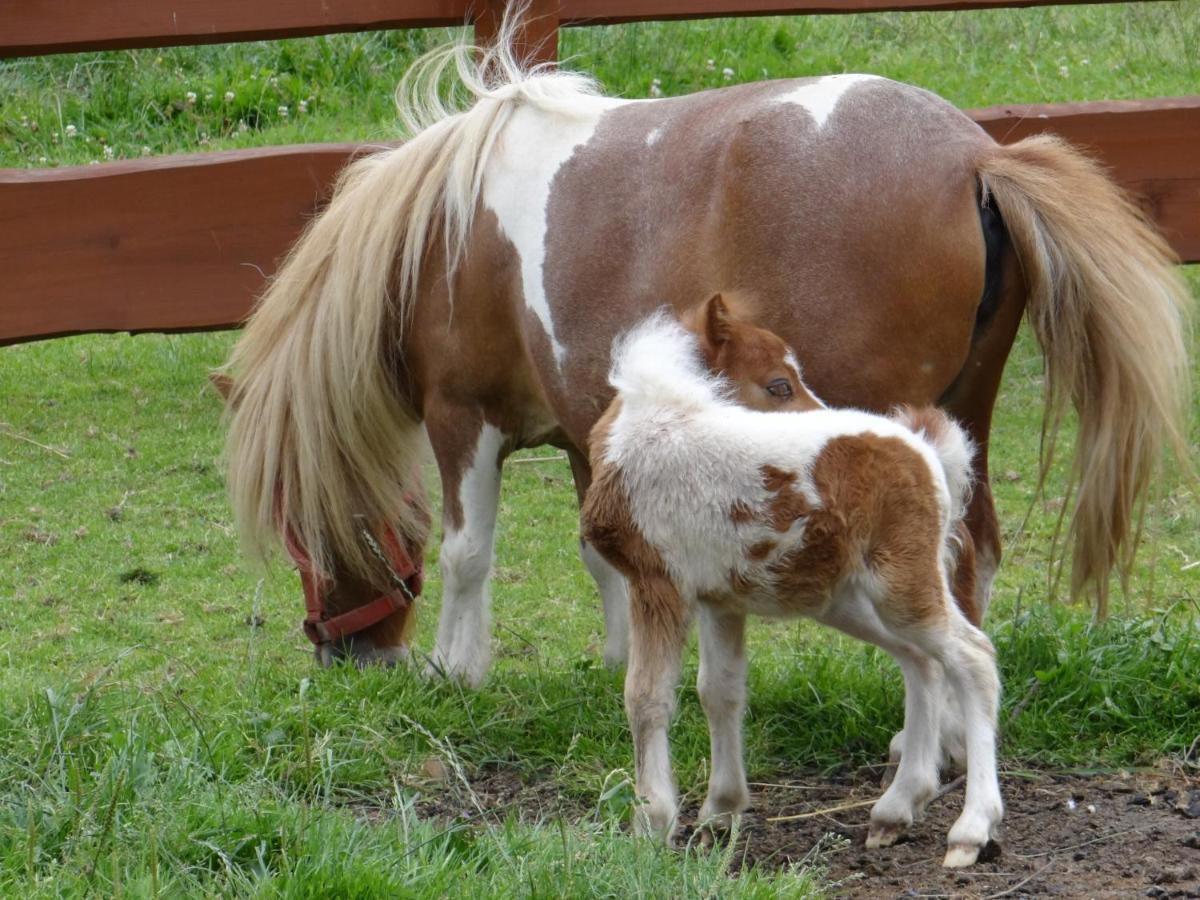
(613, 586)
(916, 780)
(470, 469)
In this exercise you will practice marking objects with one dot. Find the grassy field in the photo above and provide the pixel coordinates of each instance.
(162, 729)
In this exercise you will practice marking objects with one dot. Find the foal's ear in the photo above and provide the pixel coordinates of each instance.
(717, 325)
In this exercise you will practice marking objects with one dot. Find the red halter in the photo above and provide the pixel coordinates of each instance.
(319, 626)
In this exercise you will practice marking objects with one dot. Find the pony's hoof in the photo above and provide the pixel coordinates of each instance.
(959, 856)
(883, 835)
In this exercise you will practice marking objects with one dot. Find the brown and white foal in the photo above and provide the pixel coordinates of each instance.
(787, 508)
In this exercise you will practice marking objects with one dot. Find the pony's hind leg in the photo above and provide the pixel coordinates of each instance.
(471, 492)
(721, 684)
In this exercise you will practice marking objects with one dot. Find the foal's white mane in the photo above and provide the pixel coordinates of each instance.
(658, 363)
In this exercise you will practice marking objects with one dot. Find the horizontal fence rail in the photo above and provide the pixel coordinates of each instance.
(184, 243)
(36, 27)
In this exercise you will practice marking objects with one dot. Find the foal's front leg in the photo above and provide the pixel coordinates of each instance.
(658, 627)
(721, 684)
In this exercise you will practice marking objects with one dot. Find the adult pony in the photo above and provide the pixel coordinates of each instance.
(466, 286)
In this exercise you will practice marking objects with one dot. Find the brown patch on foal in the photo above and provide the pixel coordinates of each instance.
(760, 551)
(788, 505)
(741, 512)
(878, 512)
(656, 609)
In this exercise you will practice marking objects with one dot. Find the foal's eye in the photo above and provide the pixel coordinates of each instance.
(780, 388)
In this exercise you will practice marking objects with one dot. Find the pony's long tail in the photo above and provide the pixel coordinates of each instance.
(322, 438)
(1111, 313)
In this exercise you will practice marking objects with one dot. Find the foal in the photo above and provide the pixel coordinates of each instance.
(783, 509)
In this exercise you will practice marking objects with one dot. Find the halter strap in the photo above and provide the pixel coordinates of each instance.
(322, 628)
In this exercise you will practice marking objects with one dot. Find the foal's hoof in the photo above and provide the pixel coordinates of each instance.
(883, 835)
(959, 856)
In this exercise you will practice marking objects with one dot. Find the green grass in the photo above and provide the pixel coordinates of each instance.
(162, 728)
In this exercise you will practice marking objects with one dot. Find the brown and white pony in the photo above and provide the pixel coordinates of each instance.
(715, 511)
(464, 289)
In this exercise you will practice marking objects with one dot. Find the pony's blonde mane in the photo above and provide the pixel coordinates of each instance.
(321, 437)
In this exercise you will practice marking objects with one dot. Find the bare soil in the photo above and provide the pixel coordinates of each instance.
(1065, 835)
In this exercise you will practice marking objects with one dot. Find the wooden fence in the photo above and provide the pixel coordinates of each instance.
(183, 243)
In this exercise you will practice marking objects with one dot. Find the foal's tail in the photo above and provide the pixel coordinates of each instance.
(1110, 313)
(953, 448)
(323, 437)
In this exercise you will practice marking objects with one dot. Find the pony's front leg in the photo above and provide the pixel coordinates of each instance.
(613, 587)
(614, 592)
(721, 684)
(470, 494)
(657, 632)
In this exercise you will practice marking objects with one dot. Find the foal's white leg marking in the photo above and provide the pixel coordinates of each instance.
(463, 645)
(721, 684)
(821, 97)
(516, 187)
(650, 683)
(614, 591)
(916, 779)
(971, 667)
(986, 567)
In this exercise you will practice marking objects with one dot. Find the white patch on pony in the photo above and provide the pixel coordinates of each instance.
(821, 96)
(653, 137)
(463, 648)
(516, 187)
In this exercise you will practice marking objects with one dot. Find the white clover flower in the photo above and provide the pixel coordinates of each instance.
(24, 121)
(283, 112)
(727, 74)
(1085, 62)
(242, 126)
(229, 96)
(189, 98)
(656, 87)
(145, 150)
(71, 130)
(273, 81)
(43, 160)
(1064, 71)
(109, 152)
(303, 106)
(711, 65)
(1013, 47)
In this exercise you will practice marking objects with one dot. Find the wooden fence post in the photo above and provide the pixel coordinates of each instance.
(537, 36)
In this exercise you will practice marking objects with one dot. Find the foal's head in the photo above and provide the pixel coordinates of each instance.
(761, 367)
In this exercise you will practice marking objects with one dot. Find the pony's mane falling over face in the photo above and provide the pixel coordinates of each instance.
(659, 362)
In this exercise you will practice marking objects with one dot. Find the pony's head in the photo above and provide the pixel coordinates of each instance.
(761, 368)
(349, 616)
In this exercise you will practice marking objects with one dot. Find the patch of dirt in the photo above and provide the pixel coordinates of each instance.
(1063, 836)
(1107, 836)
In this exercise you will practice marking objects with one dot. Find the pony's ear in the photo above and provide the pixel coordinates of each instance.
(717, 326)
(222, 382)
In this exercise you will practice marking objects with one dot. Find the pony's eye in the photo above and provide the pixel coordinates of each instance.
(780, 388)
